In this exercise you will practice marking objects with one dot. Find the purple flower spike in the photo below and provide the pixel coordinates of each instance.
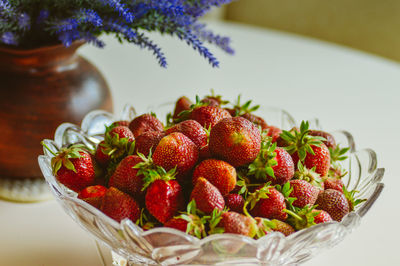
(121, 8)
(90, 16)
(24, 21)
(43, 15)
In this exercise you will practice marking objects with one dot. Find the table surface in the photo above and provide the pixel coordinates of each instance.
(344, 88)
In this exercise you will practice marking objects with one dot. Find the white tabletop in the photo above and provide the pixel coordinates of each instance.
(345, 88)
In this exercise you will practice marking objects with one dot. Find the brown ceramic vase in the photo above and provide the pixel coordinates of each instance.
(40, 89)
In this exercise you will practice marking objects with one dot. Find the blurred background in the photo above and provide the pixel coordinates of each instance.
(368, 25)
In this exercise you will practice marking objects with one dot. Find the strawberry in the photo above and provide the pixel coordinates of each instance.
(191, 129)
(176, 151)
(322, 217)
(308, 149)
(148, 141)
(264, 226)
(177, 223)
(124, 123)
(207, 196)
(73, 167)
(234, 202)
(190, 221)
(122, 132)
(182, 104)
(329, 139)
(272, 164)
(334, 183)
(304, 192)
(164, 197)
(282, 227)
(145, 123)
(219, 173)
(274, 132)
(236, 223)
(118, 205)
(118, 142)
(93, 195)
(126, 177)
(235, 140)
(208, 116)
(92, 191)
(204, 153)
(101, 154)
(213, 99)
(266, 202)
(334, 203)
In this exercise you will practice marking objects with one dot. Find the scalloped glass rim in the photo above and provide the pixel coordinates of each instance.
(170, 246)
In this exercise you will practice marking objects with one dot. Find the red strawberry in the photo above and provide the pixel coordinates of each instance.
(245, 110)
(274, 132)
(322, 217)
(126, 178)
(182, 104)
(321, 159)
(208, 116)
(304, 192)
(234, 202)
(211, 101)
(101, 155)
(122, 132)
(334, 203)
(92, 191)
(219, 173)
(255, 119)
(235, 140)
(148, 141)
(164, 197)
(236, 223)
(191, 129)
(204, 153)
(334, 183)
(329, 139)
(272, 164)
(176, 150)
(267, 202)
(73, 167)
(145, 123)
(308, 149)
(177, 223)
(207, 196)
(282, 227)
(93, 195)
(118, 205)
(120, 123)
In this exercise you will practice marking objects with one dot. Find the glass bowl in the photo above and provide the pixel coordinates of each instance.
(168, 246)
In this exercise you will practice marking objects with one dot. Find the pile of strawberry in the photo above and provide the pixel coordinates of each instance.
(210, 170)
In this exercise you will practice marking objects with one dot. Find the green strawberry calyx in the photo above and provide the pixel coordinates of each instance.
(261, 167)
(246, 108)
(144, 221)
(64, 156)
(286, 190)
(302, 217)
(151, 175)
(196, 220)
(264, 225)
(116, 147)
(351, 198)
(309, 175)
(301, 141)
(214, 220)
(185, 115)
(253, 198)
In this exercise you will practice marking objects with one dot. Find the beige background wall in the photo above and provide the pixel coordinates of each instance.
(369, 25)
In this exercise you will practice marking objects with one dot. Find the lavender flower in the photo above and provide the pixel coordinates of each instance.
(24, 21)
(27, 25)
(8, 38)
(120, 8)
(89, 16)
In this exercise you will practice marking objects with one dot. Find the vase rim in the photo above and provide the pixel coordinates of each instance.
(22, 51)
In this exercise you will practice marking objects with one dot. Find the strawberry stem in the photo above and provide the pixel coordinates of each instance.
(293, 214)
(47, 148)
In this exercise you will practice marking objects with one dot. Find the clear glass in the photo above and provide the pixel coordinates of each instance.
(169, 246)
